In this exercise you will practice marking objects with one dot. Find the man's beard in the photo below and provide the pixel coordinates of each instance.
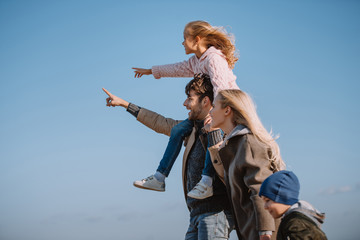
(195, 113)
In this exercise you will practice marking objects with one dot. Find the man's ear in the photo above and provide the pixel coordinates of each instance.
(206, 101)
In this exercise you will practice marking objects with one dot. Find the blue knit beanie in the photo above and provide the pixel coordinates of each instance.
(281, 187)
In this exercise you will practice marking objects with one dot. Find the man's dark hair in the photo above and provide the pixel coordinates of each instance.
(202, 86)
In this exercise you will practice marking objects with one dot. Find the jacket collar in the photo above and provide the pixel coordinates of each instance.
(308, 210)
(237, 131)
(198, 124)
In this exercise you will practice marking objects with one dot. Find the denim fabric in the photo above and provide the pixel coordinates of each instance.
(209, 169)
(177, 135)
(210, 226)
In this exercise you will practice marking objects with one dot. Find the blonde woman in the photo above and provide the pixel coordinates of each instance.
(214, 55)
(246, 157)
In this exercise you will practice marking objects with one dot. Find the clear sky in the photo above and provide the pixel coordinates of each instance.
(67, 162)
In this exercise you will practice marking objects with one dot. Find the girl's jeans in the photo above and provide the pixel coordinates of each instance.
(177, 135)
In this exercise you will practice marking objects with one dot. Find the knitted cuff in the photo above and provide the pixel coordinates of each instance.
(214, 137)
(133, 109)
(155, 72)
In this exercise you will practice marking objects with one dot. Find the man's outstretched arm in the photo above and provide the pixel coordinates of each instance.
(152, 120)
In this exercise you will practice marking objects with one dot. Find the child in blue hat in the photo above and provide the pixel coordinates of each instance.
(299, 219)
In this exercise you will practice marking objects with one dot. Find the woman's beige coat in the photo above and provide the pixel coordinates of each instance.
(243, 164)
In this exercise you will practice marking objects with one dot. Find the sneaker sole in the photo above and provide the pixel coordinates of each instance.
(200, 198)
(142, 187)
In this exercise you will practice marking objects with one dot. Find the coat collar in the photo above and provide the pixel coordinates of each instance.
(237, 131)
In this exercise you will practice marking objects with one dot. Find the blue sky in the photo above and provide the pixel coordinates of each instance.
(67, 162)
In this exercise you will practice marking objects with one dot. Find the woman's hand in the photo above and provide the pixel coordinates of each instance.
(139, 72)
(207, 124)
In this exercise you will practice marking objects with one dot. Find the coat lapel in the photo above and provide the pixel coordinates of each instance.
(189, 145)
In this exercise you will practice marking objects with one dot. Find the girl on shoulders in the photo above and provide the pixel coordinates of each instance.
(214, 55)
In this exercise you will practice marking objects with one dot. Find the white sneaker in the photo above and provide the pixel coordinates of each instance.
(201, 191)
(150, 183)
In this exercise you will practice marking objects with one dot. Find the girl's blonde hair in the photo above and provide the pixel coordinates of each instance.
(244, 112)
(214, 36)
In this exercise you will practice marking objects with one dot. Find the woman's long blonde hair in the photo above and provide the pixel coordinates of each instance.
(214, 36)
(244, 112)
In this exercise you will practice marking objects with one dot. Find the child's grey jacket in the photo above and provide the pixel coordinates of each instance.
(301, 221)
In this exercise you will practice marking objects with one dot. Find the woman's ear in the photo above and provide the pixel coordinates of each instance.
(228, 110)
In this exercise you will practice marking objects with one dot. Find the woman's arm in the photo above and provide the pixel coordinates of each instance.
(215, 140)
(256, 170)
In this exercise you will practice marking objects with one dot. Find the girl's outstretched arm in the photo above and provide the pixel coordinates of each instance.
(141, 71)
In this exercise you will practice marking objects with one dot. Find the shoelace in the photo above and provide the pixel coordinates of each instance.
(147, 179)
